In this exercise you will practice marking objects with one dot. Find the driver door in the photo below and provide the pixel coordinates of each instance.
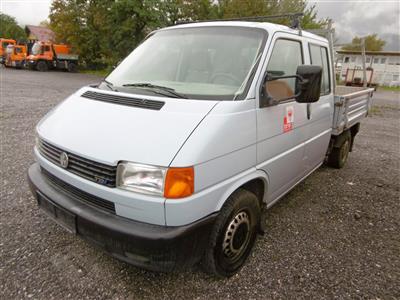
(281, 128)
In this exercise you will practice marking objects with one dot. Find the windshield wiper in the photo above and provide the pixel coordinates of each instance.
(109, 85)
(171, 91)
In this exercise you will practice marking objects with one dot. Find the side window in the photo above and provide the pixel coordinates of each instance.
(47, 48)
(285, 58)
(346, 59)
(319, 57)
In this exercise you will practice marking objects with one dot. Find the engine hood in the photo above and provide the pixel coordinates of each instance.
(108, 132)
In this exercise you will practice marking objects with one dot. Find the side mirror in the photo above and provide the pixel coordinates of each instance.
(308, 83)
(307, 86)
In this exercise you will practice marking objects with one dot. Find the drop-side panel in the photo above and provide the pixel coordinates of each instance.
(351, 106)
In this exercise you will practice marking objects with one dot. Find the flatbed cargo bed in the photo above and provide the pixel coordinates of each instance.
(351, 106)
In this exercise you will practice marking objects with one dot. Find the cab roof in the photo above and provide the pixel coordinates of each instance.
(271, 28)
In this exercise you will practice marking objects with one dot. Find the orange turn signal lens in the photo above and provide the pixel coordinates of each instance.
(179, 183)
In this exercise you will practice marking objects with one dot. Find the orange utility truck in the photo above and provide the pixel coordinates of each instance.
(46, 55)
(15, 56)
(3, 46)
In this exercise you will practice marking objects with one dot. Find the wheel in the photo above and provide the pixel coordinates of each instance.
(338, 157)
(233, 235)
(72, 67)
(42, 66)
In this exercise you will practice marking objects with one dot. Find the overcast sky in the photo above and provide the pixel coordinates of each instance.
(358, 17)
(363, 17)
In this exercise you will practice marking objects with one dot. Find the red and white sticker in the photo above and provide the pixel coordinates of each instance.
(288, 119)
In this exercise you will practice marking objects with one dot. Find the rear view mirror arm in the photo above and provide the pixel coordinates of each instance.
(272, 78)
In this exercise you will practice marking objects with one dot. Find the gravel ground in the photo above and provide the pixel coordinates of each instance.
(336, 235)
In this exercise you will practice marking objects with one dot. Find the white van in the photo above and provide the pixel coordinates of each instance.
(175, 157)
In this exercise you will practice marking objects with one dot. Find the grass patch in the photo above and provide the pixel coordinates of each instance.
(390, 88)
(375, 111)
(100, 73)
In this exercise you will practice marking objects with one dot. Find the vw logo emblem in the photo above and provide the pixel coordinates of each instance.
(64, 160)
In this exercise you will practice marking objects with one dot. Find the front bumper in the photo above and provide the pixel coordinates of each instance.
(154, 247)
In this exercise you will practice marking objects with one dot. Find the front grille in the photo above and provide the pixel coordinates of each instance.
(79, 194)
(89, 169)
(128, 101)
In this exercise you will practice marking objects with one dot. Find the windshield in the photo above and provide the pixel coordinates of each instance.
(200, 63)
(5, 44)
(36, 48)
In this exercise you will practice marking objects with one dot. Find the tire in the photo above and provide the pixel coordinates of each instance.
(72, 67)
(233, 235)
(42, 66)
(338, 156)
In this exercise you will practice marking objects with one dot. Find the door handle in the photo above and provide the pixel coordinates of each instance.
(308, 111)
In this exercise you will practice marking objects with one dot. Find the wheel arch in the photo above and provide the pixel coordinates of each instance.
(338, 140)
(256, 182)
(354, 130)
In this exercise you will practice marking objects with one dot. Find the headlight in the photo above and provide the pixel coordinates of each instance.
(141, 178)
(172, 183)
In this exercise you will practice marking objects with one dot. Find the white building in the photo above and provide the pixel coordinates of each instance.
(385, 64)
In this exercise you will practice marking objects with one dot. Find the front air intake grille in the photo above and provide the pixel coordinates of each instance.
(78, 194)
(89, 169)
(122, 100)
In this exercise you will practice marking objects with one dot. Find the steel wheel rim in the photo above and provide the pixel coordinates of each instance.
(237, 236)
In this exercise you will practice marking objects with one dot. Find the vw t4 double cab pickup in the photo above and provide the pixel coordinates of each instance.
(174, 158)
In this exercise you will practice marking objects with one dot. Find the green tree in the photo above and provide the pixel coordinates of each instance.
(10, 29)
(45, 23)
(97, 34)
(105, 31)
(67, 22)
(174, 11)
(83, 25)
(131, 21)
(239, 8)
(372, 43)
(199, 10)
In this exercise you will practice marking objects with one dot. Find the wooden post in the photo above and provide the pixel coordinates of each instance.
(365, 83)
(330, 38)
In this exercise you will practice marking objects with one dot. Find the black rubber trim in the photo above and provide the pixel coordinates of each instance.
(154, 247)
(78, 194)
(123, 100)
